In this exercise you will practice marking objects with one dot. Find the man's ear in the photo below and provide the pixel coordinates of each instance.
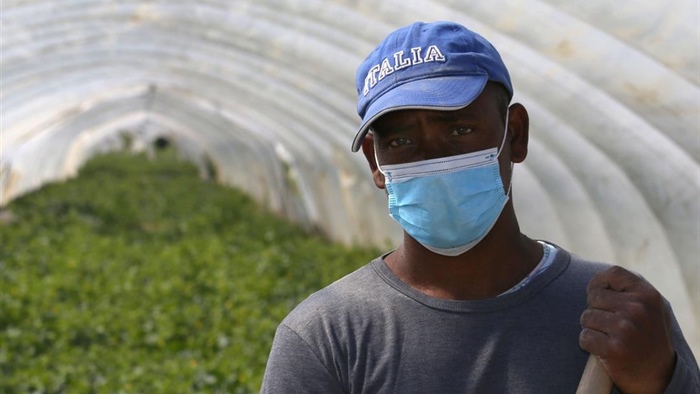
(519, 130)
(368, 150)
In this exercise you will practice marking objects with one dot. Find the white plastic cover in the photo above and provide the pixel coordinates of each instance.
(264, 89)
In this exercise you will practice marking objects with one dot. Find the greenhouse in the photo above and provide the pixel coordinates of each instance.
(260, 96)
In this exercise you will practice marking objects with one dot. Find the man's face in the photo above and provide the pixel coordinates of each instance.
(411, 135)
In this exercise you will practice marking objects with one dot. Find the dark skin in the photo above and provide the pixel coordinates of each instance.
(625, 324)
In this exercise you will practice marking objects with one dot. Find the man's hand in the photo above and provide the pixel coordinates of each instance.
(626, 326)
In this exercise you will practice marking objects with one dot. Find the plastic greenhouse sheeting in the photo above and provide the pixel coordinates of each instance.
(263, 90)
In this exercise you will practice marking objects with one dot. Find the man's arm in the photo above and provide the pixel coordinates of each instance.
(629, 326)
(293, 367)
(686, 376)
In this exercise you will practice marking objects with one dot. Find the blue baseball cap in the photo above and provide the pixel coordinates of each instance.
(439, 65)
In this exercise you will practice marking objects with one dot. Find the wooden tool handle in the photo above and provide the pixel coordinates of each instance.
(595, 379)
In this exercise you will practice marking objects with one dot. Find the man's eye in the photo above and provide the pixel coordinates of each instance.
(399, 142)
(462, 131)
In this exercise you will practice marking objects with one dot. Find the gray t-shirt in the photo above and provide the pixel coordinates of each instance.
(369, 332)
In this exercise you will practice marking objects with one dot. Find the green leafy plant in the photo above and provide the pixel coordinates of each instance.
(138, 277)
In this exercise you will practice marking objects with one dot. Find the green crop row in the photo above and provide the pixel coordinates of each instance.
(138, 277)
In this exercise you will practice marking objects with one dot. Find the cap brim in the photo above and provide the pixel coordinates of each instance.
(443, 93)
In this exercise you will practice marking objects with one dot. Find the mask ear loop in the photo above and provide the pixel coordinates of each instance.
(376, 160)
(510, 184)
(505, 133)
(512, 165)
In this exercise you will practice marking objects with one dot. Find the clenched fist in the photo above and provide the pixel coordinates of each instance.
(626, 326)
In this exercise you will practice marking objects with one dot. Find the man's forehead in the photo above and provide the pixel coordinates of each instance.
(406, 117)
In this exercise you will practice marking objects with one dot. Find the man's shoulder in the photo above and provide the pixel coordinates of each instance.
(577, 271)
(339, 299)
(586, 267)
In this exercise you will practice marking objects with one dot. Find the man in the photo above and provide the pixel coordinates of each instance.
(467, 303)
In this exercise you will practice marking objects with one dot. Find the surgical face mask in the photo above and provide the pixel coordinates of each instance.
(447, 204)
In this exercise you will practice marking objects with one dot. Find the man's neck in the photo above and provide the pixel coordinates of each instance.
(497, 263)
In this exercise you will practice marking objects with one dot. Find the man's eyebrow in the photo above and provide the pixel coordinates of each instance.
(451, 115)
(404, 126)
(394, 129)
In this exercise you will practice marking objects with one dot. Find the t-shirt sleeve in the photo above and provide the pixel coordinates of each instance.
(293, 367)
(686, 376)
(684, 379)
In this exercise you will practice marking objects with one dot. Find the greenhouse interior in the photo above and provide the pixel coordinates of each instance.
(263, 93)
